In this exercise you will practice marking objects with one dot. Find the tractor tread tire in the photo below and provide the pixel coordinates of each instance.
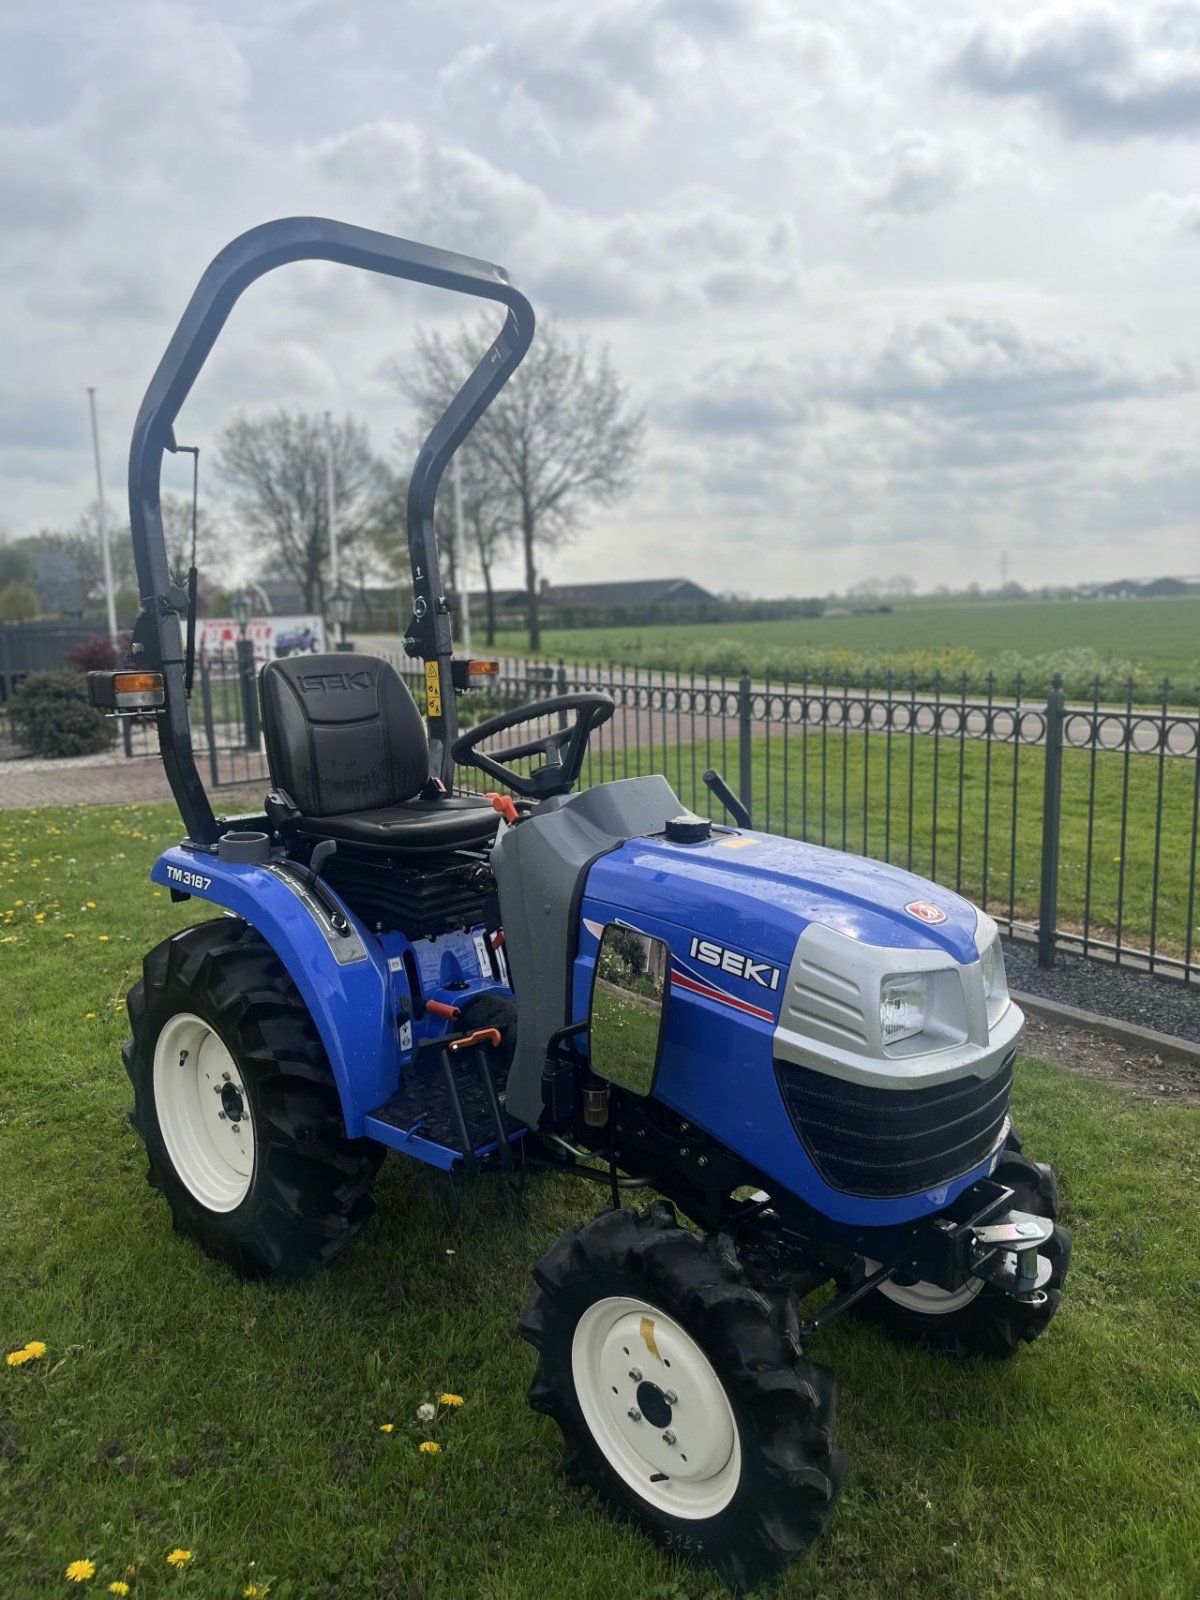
(785, 1405)
(993, 1324)
(311, 1189)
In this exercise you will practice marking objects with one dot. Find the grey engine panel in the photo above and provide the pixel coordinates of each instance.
(539, 867)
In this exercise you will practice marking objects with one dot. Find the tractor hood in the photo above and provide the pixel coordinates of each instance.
(756, 892)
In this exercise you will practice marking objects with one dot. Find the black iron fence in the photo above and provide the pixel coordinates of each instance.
(1077, 824)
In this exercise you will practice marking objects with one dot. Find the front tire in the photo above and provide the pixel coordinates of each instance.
(682, 1392)
(236, 1103)
(978, 1319)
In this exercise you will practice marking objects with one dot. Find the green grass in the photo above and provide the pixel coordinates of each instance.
(1156, 637)
(175, 1406)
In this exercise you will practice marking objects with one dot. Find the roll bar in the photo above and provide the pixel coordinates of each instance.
(157, 637)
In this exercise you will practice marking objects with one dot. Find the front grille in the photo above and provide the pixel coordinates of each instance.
(894, 1142)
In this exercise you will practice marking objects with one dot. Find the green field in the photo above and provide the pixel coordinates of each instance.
(177, 1408)
(1150, 638)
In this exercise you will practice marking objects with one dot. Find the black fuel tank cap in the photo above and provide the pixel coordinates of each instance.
(688, 829)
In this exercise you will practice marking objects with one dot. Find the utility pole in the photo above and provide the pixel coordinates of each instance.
(331, 503)
(464, 598)
(110, 599)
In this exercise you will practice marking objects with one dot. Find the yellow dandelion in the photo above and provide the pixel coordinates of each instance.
(90, 905)
(256, 1591)
(387, 1427)
(35, 1349)
(89, 1016)
(40, 916)
(68, 935)
(179, 1558)
(80, 1571)
(17, 1358)
(103, 938)
(118, 1586)
(451, 1399)
(430, 1448)
(18, 904)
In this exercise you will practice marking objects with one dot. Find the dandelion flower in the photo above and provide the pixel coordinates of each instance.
(80, 1571)
(90, 906)
(426, 1412)
(387, 1427)
(68, 935)
(89, 1016)
(103, 938)
(118, 1586)
(452, 1399)
(179, 1558)
(35, 1349)
(17, 1358)
(18, 904)
(256, 1591)
(40, 917)
(430, 1447)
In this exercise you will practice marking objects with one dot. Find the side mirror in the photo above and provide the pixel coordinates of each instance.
(629, 1000)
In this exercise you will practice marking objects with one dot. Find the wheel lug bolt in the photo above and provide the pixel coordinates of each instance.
(225, 1077)
(670, 1397)
(634, 1414)
(668, 1437)
(221, 1116)
(635, 1374)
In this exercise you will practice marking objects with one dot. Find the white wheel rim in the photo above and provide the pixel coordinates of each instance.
(629, 1356)
(927, 1298)
(203, 1113)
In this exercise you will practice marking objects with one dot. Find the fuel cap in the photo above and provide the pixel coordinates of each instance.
(688, 829)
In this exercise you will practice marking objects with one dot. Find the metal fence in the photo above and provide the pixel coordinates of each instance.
(1075, 824)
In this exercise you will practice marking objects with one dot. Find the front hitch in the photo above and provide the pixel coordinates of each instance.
(1005, 1254)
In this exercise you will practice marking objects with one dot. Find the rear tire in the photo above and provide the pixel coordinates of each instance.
(979, 1319)
(236, 1103)
(618, 1298)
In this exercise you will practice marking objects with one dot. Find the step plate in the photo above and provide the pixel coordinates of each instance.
(421, 1111)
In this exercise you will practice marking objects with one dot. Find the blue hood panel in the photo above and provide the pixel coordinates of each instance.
(767, 890)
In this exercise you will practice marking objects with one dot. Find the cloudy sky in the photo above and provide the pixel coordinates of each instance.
(901, 286)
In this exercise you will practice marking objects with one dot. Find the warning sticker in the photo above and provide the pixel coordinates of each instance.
(433, 690)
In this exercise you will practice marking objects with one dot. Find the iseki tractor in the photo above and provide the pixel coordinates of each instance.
(806, 1054)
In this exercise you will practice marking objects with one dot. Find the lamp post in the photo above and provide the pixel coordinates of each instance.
(339, 602)
(240, 607)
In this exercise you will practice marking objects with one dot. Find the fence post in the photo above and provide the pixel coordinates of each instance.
(560, 687)
(209, 727)
(1051, 824)
(249, 689)
(745, 764)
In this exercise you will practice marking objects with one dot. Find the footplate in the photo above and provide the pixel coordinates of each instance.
(448, 1110)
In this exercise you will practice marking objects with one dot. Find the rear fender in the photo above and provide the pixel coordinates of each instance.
(342, 979)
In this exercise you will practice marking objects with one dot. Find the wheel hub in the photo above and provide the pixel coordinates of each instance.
(656, 1407)
(203, 1113)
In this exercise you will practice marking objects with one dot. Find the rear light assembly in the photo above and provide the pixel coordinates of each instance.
(474, 674)
(126, 691)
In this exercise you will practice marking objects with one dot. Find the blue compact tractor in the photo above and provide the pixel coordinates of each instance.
(807, 1054)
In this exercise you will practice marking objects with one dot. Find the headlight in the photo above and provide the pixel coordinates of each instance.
(995, 982)
(903, 1007)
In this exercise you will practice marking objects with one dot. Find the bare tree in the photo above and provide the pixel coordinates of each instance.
(212, 545)
(560, 437)
(274, 468)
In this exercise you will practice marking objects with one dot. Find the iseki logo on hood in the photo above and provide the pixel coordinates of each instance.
(716, 955)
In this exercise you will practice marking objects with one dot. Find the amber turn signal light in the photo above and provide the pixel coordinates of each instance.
(126, 691)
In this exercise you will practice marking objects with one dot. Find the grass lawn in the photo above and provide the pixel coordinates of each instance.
(1159, 636)
(175, 1407)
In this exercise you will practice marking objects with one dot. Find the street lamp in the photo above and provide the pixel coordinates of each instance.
(240, 607)
(340, 605)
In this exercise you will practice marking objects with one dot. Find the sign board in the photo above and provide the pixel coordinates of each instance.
(273, 637)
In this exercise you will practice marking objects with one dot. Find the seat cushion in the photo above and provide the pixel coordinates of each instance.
(452, 823)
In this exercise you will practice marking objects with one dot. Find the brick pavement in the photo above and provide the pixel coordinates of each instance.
(97, 780)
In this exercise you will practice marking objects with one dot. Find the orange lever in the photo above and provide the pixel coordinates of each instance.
(503, 804)
(441, 1009)
(490, 1035)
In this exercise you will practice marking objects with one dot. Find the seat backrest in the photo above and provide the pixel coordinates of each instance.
(343, 733)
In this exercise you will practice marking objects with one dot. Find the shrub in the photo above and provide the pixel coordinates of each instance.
(97, 654)
(18, 603)
(51, 716)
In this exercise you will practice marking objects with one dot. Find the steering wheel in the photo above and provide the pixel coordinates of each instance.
(564, 749)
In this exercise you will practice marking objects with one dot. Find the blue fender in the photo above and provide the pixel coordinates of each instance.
(349, 1000)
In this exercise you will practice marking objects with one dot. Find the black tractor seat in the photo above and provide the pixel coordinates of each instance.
(347, 745)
